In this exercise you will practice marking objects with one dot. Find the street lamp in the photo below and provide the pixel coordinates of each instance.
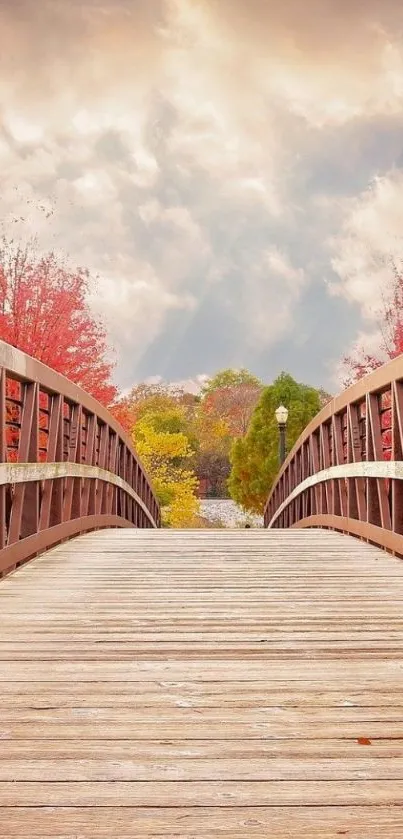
(282, 417)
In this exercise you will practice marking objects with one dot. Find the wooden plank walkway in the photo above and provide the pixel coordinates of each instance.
(203, 684)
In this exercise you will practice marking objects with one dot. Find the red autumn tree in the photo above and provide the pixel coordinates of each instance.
(233, 395)
(360, 362)
(44, 312)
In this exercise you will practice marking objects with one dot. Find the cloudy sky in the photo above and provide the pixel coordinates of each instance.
(232, 171)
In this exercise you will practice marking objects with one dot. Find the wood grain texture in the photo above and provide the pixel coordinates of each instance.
(203, 684)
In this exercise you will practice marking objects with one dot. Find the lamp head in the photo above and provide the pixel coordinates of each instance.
(281, 415)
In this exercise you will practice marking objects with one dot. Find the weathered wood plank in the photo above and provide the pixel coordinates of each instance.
(273, 718)
(241, 669)
(237, 684)
(198, 730)
(202, 793)
(236, 769)
(175, 750)
(139, 695)
(203, 823)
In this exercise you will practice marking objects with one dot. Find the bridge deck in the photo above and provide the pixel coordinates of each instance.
(205, 684)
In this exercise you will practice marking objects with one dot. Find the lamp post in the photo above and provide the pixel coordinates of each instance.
(282, 417)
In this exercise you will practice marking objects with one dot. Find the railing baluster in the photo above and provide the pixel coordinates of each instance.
(102, 463)
(90, 460)
(315, 468)
(379, 506)
(24, 518)
(72, 495)
(52, 497)
(340, 493)
(324, 430)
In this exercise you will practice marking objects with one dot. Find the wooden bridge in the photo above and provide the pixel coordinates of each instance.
(199, 683)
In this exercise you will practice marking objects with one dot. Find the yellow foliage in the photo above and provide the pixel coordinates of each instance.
(163, 453)
(159, 445)
(211, 431)
(184, 504)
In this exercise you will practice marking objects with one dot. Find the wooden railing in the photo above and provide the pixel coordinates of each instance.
(346, 470)
(66, 466)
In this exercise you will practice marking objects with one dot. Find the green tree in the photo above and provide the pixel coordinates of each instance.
(255, 459)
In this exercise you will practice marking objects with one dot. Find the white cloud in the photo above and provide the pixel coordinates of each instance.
(167, 148)
(194, 385)
(280, 266)
(370, 238)
(134, 300)
(367, 246)
(269, 298)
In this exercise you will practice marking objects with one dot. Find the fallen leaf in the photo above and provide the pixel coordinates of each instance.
(364, 741)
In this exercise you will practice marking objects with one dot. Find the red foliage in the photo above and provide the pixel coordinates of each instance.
(44, 312)
(234, 404)
(123, 414)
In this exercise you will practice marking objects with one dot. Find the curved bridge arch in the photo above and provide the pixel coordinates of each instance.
(345, 471)
(66, 466)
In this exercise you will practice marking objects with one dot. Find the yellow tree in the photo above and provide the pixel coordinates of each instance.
(164, 448)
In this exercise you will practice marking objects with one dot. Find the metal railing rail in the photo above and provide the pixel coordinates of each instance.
(346, 470)
(66, 466)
